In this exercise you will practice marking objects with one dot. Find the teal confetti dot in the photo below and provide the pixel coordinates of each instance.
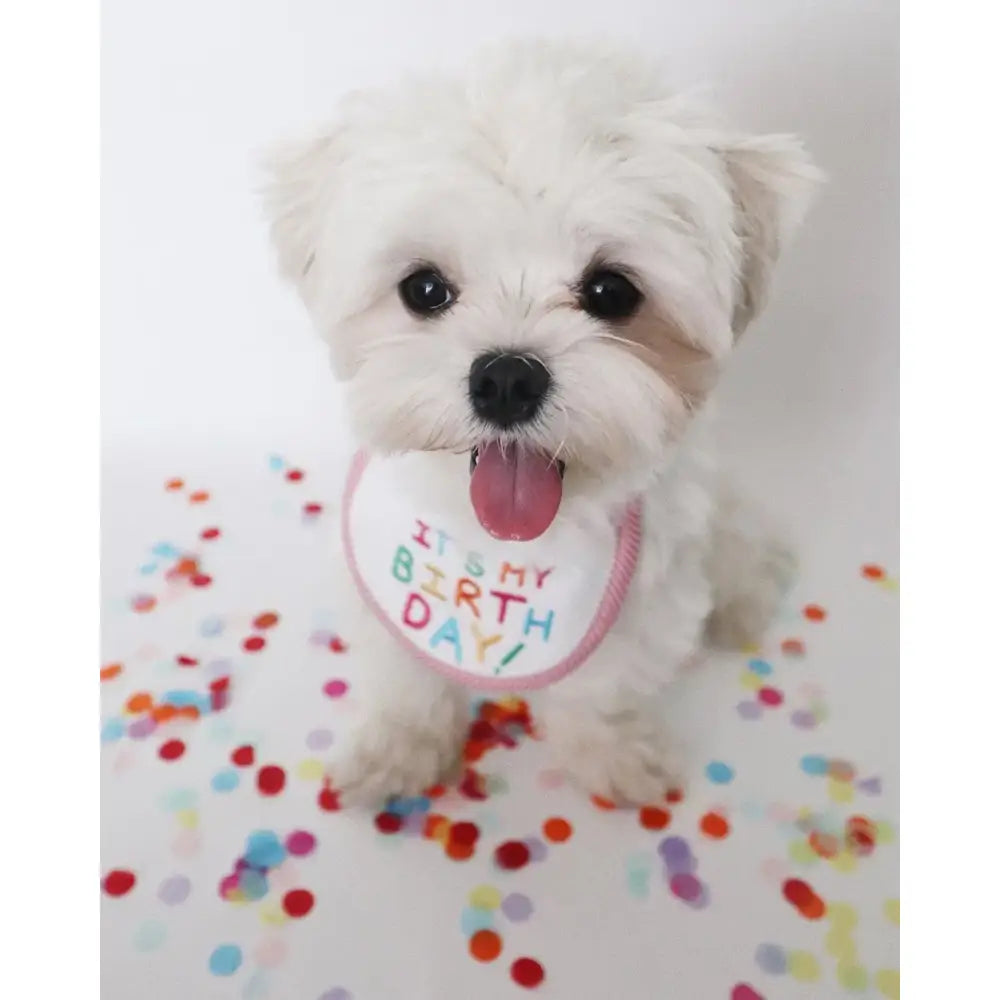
(275, 462)
(264, 849)
(814, 764)
(225, 960)
(719, 773)
(226, 780)
(180, 798)
(150, 935)
(253, 884)
(760, 667)
(166, 550)
(112, 731)
(474, 919)
(147, 569)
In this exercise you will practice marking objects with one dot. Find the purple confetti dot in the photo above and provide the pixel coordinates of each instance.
(142, 728)
(676, 855)
(803, 719)
(319, 739)
(871, 786)
(219, 668)
(300, 843)
(413, 825)
(321, 637)
(337, 993)
(517, 907)
(174, 890)
(749, 709)
(537, 849)
(771, 959)
(685, 887)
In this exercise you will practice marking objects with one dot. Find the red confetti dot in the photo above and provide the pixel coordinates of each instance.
(387, 822)
(741, 991)
(675, 795)
(210, 533)
(814, 612)
(242, 756)
(338, 645)
(512, 854)
(118, 881)
(254, 643)
(715, 826)
(201, 580)
(464, 832)
(298, 902)
(270, 779)
(654, 818)
(770, 696)
(527, 972)
(186, 661)
(295, 475)
(329, 800)
(312, 509)
(801, 895)
(872, 572)
(172, 749)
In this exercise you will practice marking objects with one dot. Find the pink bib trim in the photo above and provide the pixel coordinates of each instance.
(628, 541)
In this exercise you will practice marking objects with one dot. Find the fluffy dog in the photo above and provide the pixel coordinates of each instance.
(596, 246)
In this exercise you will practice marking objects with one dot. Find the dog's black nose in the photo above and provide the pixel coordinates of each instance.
(507, 389)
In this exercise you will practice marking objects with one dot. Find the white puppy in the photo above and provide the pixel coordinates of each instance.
(543, 267)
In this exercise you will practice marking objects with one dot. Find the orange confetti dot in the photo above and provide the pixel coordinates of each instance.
(436, 827)
(557, 829)
(175, 484)
(143, 603)
(265, 620)
(111, 671)
(435, 791)
(199, 496)
(188, 712)
(602, 803)
(871, 571)
(485, 945)
(164, 713)
(793, 647)
(715, 826)
(141, 701)
(186, 567)
(653, 817)
(458, 851)
(814, 612)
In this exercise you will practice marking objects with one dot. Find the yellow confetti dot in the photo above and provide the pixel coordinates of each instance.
(751, 681)
(884, 833)
(852, 977)
(803, 967)
(485, 897)
(188, 818)
(839, 943)
(888, 583)
(749, 648)
(273, 915)
(840, 791)
(891, 910)
(887, 983)
(844, 862)
(842, 915)
(801, 853)
(310, 769)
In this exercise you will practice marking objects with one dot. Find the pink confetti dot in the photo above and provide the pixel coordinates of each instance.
(336, 688)
(300, 843)
(271, 951)
(770, 696)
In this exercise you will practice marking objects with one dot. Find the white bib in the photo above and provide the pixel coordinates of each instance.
(494, 615)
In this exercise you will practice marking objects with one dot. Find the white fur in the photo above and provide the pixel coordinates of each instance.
(512, 182)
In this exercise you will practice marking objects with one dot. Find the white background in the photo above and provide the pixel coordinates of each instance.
(201, 343)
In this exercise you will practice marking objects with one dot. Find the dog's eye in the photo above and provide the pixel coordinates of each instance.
(609, 295)
(426, 292)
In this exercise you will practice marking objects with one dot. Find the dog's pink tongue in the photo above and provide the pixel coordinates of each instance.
(515, 493)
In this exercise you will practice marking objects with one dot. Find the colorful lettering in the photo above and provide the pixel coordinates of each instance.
(530, 622)
(540, 575)
(518, 571)
(483, 642)
(408, 613)
(474, 564)
(504, 598)
(403, 561)
(448, 632)
(421, 536)
(442, 538)
(466, 592)
(431, 587)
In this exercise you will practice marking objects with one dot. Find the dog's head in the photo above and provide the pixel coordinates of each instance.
(543, 266)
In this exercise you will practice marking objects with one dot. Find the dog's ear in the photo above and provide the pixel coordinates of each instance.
(773, 180)
(300, 176)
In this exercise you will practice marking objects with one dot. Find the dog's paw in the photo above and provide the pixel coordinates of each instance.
(388, 756)
(626, 759)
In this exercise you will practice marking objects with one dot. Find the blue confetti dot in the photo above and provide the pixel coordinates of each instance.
(211, 626)
(225, 781)
(253, 884)
(760, 667)
(771, 959)
(180, 798)
(179, 699)
(225, 960)
(147, 569)
(112, 731)
(814, 764)
(264, 849)
(474, 919)
(719, 773)
(276, 462)
(165, 549)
